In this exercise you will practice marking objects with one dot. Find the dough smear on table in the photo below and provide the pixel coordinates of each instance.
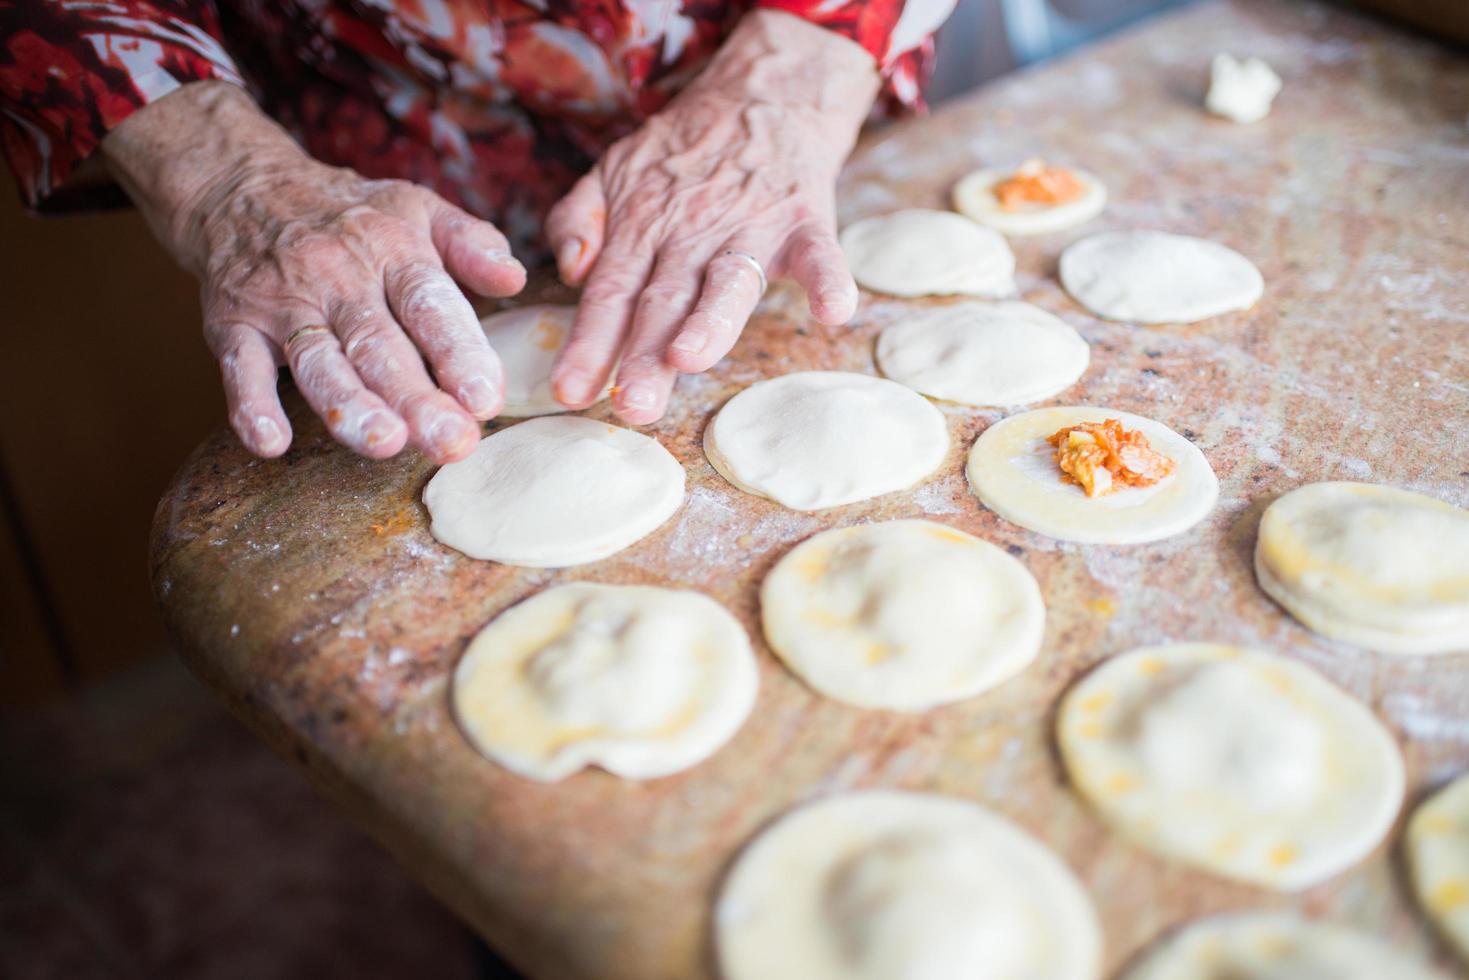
(1007, 353)
(984, 196)
(1437, 845)
(1237, 761)
(818, 439)
(903, 615)
(928, 253)
(1375, 566)
(527, 340)
(902, 886)
(1156, 277)
(553, 492)
(639, 680)
(1241, 90)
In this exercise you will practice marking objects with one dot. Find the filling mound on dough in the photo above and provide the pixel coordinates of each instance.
(1035, 182)
(1103, 457)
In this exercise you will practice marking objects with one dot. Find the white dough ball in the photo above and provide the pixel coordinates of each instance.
(928, 253)
(1155, 277)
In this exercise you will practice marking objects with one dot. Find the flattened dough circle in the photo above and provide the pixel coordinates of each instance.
(639, 680)
(1013, 472)
(920, 252)
(974, 197)
(1375, 566)
(884, 885)
(1437, 845)
(902, 615)
(1240, 762)
(553, 492)
(1157, 277)
(527, 340)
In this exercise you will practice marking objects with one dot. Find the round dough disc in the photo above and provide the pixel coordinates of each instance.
(983, 353)
(1274, 946)
(1437, 843)
(552, 492)
(888, 885)
(1013, 472)
(928, 253)
(1375, 566)
(819, 439)
(902, 615)
(528, 340)
(1241, 762)
(638, 680)
(974, 197)
(1155, 277)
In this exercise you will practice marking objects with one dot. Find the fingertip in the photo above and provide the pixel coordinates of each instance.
(834, 306)
(383, 435)
(263, 435)
(639, 403)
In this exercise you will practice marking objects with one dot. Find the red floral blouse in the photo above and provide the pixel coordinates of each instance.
(496, 104)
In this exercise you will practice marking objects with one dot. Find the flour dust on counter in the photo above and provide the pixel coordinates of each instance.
(527, 340)
(919, 252)
(1033, 199)
(1155, 277)
(1437, 849)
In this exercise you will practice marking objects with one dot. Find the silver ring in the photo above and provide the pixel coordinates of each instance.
(296, 335)
(755, 263)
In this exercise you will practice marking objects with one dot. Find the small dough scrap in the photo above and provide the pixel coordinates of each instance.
(974, 197)
(639, 680)
(885, 885)
(553, 492)
(1375, 566)
(528, 340)
(920, 252)
(1012, 470)
(903, 615)
(1437, 845)
(818, 439)
(1241, 90)
(1238, 761)
(1006, 353)
(1274, 946)
(1155, 277)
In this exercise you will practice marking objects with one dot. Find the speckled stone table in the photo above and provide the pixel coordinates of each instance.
(308, 593)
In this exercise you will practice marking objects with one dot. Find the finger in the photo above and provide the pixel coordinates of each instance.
(355, 416)
(247, 364)
(814, 259)
(474, 252)
(386, 360)
(575, 228)
(732, 287)
(644, 377)
(441, 322)
(602, 320)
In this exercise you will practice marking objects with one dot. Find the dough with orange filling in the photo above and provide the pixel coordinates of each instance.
(1032, 199)
(1437, 844)
(527, 340)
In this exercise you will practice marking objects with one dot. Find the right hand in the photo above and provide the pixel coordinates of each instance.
(349, 281)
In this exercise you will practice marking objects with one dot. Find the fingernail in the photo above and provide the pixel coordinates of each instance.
(574, 385)
(377, 428)
(569, 255)
(478, 396)
(690, 342)
(267, 433)
(639, 396)
(501, 257)
(449, 432)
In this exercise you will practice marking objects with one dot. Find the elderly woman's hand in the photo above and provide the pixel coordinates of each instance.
(345, 279)
(742, 163)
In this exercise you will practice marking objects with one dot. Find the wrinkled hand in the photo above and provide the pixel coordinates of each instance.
(743, 161)
(351, 282)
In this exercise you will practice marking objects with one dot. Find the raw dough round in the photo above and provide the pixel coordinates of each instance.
(974, 197)
(819, 439)
(1437, 844)
(1241, 762)
(1274, 946)
(1375, 566)
(553, 492)
(528, 340)
(902, 615)
(928, 253)
(902, 886)
(1155, 277)
(638, 680)
(983, 353)
(1013, 472)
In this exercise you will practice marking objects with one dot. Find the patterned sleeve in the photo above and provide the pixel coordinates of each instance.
(898, 33)
(70, 70)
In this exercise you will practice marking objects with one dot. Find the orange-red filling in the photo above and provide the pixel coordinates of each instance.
(1037, 183)
(1103, 457)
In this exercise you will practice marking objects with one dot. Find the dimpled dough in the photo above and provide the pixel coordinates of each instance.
(638, 680)
(1155, 277)
(1013, 472)
(1375, 566)
(902, 615)
(983, 353)
(1438, 860)
(974, 197)
(552, 492)
(902, 886)
(1246, 764)
(928, 253)
(819, 439)
(1274, 946)
(528, 340)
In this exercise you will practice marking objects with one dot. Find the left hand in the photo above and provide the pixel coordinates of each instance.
(745, 160)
